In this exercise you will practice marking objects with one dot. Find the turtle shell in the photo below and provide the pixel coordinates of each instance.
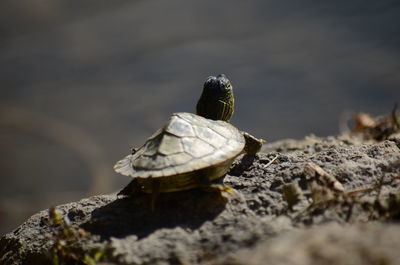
(186, 143)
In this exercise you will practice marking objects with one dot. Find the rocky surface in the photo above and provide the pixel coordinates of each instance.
(256, 225)
(84, 81)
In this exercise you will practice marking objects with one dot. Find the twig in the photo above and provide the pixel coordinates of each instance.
(272, 161)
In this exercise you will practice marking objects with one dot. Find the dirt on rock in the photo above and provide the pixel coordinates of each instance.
(332, 200)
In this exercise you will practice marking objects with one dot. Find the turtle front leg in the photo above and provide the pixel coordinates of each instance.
(208, 186)
(253, 144)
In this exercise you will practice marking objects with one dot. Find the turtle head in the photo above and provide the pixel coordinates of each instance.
(217, 85)
(216, 101)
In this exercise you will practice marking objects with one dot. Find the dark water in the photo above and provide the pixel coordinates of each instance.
(82, 83)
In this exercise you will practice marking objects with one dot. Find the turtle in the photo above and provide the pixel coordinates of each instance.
(189, 151)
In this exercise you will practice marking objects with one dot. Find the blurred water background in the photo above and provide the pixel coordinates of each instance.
(84, 81)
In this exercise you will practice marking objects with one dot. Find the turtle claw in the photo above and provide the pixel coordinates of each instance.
(219, 188)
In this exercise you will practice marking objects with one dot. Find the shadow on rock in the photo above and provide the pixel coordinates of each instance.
(243, 165)
(133, 215)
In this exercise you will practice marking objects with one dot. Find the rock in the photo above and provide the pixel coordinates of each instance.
(375, 243)
(252, 226)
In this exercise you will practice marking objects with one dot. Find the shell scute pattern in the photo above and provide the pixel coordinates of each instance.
(155, 162)
(196, 147)
(224, 131)
(179, 127)
(208, 135)
(150, 146)
(168, 171)
(170, 144)
(181, 158)
(219, 154)
(186, 143)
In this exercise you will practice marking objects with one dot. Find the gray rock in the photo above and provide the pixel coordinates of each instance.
(375, 243)
(249, 227)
